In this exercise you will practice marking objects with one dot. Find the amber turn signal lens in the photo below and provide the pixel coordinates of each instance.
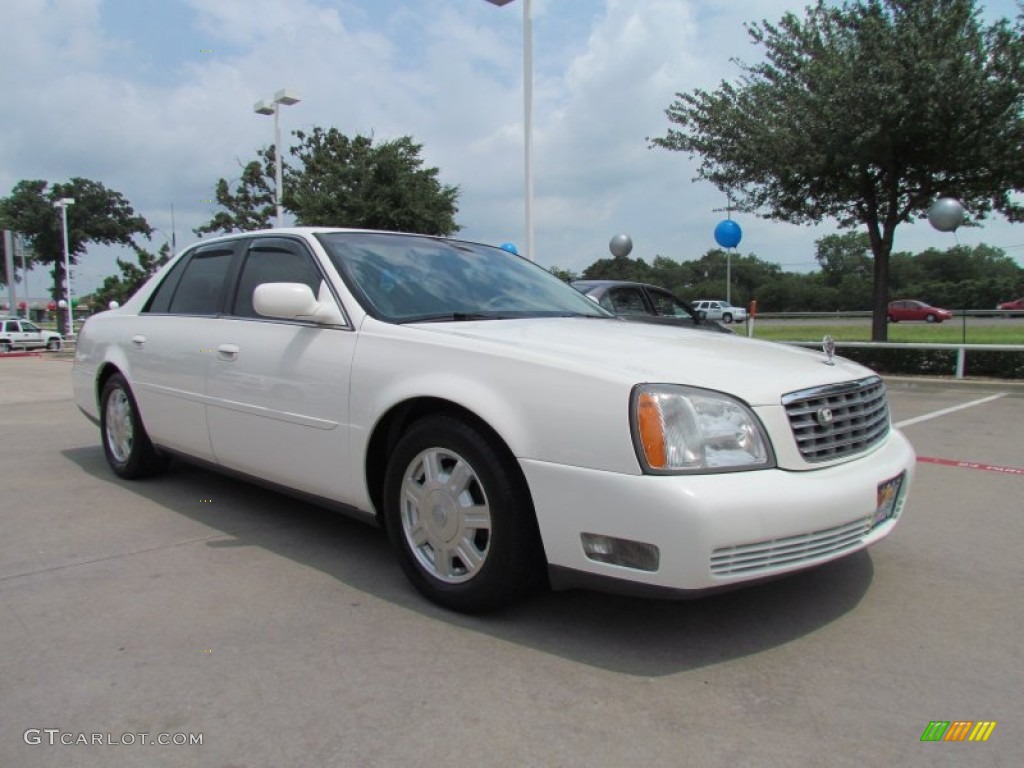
(652, 430)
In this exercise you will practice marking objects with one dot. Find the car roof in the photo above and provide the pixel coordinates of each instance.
(309, 231)
(577, 284)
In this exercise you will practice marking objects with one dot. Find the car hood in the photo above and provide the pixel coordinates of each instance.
(756, 371)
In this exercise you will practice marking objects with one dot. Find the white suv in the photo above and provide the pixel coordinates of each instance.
(712, 309)
(15, 332)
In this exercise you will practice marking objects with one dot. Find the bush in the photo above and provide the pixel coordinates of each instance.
(938, 362)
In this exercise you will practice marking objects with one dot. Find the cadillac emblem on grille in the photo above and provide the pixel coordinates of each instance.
(837, 421)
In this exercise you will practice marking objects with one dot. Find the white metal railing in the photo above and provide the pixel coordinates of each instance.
(961, 349)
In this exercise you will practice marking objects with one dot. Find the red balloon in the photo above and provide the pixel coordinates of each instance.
(51, 306)
(22, 305)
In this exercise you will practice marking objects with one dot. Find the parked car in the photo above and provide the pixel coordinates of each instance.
(910, 309)
(1016, 304)
(714, 309)
(641, 302)
(17, 333)
(498, 424)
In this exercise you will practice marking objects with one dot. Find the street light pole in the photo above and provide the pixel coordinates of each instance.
(527, 116)
(63, 204)
(287, 98)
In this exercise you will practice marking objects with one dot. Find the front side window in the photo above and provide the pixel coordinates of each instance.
(667, 304)
(273, 262)
(29, 327)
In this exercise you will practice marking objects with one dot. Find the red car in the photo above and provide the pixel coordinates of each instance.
(909, 309)
(1015, 304)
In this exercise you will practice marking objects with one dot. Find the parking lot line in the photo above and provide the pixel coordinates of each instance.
(971, 465)
(945, 411)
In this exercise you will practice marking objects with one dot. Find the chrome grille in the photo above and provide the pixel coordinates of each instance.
(838, 420)
(788, 551)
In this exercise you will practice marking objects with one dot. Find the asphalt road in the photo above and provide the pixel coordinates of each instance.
(283, 635)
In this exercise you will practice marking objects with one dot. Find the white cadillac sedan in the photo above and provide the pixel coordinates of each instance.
(501, 427)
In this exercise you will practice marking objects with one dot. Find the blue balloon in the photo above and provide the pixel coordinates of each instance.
(510, 247)
(728, 233)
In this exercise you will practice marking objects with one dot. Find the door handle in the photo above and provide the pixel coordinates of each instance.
(228, 351)
(138, 340)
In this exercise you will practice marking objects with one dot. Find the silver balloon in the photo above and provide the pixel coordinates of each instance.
(946, 214)
(620, 246)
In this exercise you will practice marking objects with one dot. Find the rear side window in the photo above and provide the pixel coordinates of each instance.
(195, 286)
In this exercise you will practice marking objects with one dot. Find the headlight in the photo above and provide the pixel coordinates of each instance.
(680, 429)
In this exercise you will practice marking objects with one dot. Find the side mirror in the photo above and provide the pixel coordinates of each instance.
(295, 301)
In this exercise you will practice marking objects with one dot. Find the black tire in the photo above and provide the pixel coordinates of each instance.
(727, 317)
(890, 318)
(126, 445)
(53, 345)
(5, 346)
(451, 561)
(702, 314)
(930, 318)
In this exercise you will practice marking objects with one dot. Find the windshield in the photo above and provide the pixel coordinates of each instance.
(410, 278)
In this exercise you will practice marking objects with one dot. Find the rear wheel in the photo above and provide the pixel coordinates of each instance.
(126, 445)
(5, 346)
(459, 514)
(890, 318)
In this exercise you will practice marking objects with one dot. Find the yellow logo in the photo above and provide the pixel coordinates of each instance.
(958, 730)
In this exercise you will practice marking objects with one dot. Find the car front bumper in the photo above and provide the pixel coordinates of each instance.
(714, 531)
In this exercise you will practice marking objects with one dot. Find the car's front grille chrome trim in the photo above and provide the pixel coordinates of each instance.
(839, 420)
(774, 554)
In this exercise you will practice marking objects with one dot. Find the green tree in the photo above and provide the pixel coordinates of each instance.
(619, 268)
(844, 257)
(121, 287)
(98, 215)
(565, 275)
(866, 112)
(340, 181)
(251, 205)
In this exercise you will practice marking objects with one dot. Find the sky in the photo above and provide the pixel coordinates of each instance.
(154, 98)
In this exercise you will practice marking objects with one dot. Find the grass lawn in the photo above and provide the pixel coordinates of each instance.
(1012, 332)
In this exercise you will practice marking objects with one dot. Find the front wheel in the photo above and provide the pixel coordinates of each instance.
(125, 443)
(930, 318)
(460, 517)
(727, 318)
(53, 344)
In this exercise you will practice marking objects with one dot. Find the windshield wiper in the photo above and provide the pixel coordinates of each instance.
(457, 317)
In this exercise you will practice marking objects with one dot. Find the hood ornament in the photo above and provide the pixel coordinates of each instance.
(828, 346)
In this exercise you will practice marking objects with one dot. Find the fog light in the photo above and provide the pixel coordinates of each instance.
(630, 554)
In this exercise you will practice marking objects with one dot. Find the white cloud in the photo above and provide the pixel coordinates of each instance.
(86, 101)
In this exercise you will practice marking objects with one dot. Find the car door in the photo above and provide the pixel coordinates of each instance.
(278, 388)
(28, 336)
(170, 346)
(9, 332)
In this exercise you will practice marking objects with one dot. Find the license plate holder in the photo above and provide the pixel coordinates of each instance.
(887, 498)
